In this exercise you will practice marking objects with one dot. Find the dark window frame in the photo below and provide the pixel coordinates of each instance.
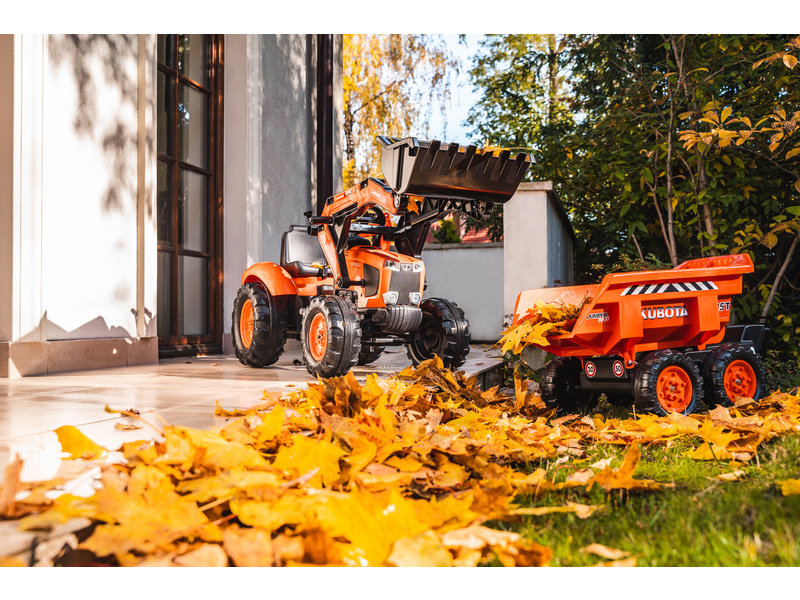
(211, 342)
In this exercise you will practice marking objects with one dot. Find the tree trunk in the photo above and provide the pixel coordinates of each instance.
(552, 76)
(779, 276)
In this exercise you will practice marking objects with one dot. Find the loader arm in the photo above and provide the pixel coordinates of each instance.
(425, 182)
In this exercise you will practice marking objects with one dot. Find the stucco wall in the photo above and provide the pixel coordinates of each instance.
(270, 147)
(538, 242)
(471, 275)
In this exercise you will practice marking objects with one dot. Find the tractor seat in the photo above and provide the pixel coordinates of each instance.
(299, 251)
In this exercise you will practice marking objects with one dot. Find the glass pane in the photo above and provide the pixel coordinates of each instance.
(164, 315)
(164, 114)
(192, 107)
(165, 53)
(192, 61)
(192, 295)
(164, 205)
(192, 211)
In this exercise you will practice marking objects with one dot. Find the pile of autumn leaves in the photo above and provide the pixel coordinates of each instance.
(401, 471)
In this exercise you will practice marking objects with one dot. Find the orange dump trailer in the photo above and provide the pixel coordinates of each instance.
(660, 339)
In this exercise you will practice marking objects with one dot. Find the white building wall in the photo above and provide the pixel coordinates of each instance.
(89, 181)
(81, 204)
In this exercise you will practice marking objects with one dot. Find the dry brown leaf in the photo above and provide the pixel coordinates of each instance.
(11, 486)
(605, 552)
(206, 555)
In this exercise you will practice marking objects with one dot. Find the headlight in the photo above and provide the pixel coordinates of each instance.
(390, 298)
(414, 297)
(417, 267)
(391, 265)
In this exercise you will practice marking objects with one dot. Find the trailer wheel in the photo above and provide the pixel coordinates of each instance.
(560, 387)
(667, 381)
(444, 332)
(331, 336)
(258, 326)
(733, 370)
(369, 354)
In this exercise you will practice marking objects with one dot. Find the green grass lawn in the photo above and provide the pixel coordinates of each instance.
(702, 521)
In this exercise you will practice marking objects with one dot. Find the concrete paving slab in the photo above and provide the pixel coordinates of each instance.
(179, 391)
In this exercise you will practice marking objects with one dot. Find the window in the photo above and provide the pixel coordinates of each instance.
(189, 181)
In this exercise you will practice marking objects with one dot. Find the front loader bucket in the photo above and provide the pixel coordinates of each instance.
(435, 169)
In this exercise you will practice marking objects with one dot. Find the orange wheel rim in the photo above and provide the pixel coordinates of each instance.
(740, 380)
(318, 337)
(674, 388)
(246, 324)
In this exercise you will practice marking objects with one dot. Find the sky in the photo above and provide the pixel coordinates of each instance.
(449, 127)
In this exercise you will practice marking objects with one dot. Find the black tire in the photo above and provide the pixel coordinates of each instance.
(561, 389)
(741, 381)
(268, 332)
(444, 332)
(666, 381)
(338, 321)
(369, 354)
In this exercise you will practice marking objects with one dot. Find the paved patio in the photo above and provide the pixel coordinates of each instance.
(181, 391)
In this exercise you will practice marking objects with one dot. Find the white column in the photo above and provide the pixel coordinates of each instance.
(28, 305)
(146, 221)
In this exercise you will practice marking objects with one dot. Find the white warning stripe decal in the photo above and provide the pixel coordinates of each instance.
(684, 288)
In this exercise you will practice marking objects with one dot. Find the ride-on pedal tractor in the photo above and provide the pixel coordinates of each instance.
(350, 282)
(657, 339)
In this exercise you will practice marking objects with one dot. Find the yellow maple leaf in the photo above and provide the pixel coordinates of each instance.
(78, 445)
(306, 454)
(789, 487)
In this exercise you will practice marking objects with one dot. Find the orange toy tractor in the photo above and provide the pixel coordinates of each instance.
(657, 339)
(350, 282)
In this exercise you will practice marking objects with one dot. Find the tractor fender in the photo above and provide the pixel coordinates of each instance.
(274, 278)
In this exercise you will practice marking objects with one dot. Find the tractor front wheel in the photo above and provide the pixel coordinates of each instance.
(444, 332)
(259, 326)
(331, 336)
(667, 381)
(730, 371)
(560, 387)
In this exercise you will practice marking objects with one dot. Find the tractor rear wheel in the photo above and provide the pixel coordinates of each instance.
(369, 354)
(667, 381)
(259, 326)
(560, 387)
(331, 336)
(732, 370)
(444, 332)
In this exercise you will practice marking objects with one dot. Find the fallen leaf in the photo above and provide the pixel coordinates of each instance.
(789, 487)
(605, 552)
(732, 476)
(423, 550)
(126, 426)
(77, 445)
(11, 486)
(206, 555)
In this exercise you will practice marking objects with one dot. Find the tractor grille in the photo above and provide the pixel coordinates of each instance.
(404, 282)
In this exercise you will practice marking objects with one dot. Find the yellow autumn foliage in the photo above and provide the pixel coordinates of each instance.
(538, 323)
(403, 471)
